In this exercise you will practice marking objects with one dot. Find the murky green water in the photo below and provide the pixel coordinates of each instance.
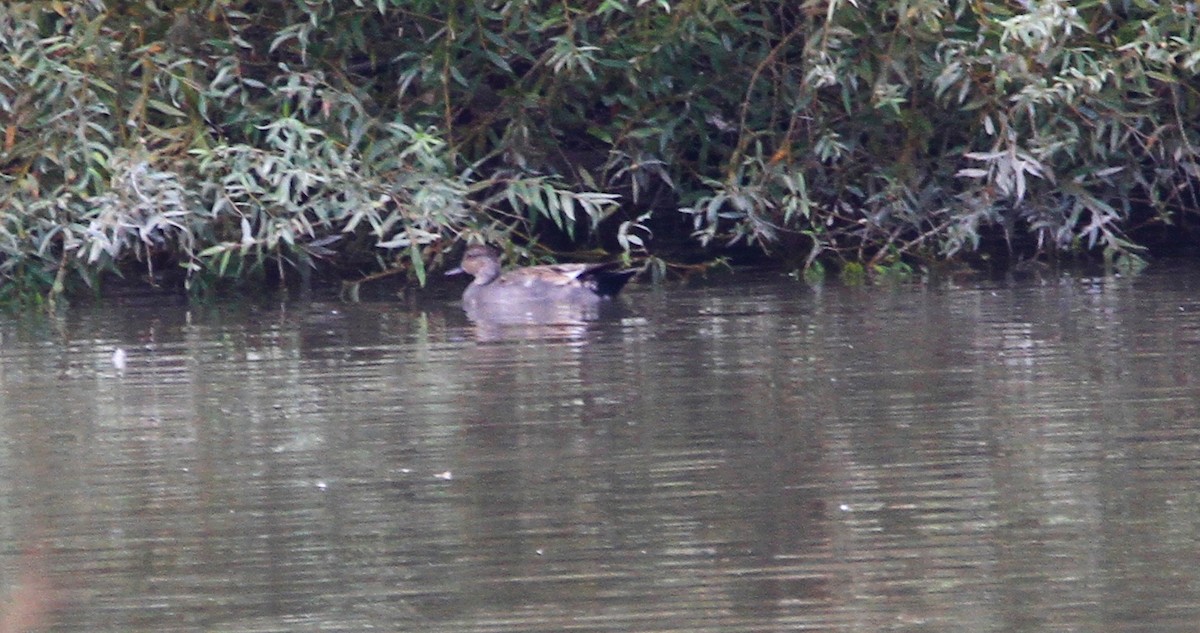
(756, 456)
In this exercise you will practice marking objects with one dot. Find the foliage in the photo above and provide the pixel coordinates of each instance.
(187, 148)
(918, 126)
(210, 138)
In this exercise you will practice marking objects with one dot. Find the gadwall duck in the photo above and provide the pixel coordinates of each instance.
(564, 284)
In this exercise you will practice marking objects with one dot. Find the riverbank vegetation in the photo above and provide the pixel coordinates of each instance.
(200, 142)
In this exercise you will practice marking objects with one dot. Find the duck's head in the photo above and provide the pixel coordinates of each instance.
(479, 261)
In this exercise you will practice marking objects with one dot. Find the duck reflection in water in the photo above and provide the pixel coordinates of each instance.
(553, 294)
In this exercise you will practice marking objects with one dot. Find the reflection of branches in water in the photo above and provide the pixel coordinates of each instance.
(29, 603)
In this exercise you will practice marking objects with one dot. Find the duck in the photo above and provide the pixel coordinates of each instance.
(582, 286)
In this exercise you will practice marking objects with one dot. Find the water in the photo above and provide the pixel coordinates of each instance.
(749, 456)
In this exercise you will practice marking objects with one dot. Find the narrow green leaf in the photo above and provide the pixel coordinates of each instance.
(166, 108)
(418, 262)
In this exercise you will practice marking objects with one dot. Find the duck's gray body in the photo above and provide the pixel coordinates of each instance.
(554, 290)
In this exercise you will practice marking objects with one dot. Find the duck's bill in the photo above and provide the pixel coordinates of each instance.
(455, 271)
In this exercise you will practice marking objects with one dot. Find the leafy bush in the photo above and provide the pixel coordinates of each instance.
(224, 138)
(918, 126)
(193, 151)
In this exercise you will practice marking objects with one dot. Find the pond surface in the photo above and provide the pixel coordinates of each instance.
(741, 455)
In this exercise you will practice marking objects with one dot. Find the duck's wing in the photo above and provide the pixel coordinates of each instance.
(604, 279)
(553, 274)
